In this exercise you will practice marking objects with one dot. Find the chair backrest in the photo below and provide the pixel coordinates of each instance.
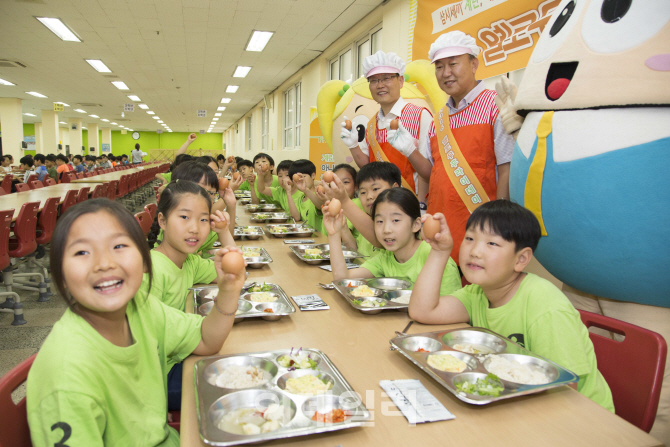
(7, 184)
(122, 189)
(80, 175)
(69, 200)
(152, 209)
(21, 187)
(83, 194)
(25, 229)
(5, 230)
(89, 174)
(35, 184)
(32, 177)
(633, 368)
(15, 431)
(2, 191)
(50, 182)
(98, 192)
(47, 220)
(111, 189)
(145, 221)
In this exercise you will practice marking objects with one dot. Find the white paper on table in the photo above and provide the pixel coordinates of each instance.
(310, 302)
(415, 401)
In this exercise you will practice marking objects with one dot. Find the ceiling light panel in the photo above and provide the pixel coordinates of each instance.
(134, 97)
(94, 116)
(150, 112)
(225, 100)
(120, 85)
(29, 114)
(217, 114)
(80, 111)
(241, 72)
(104, 120)
(143, 106)
(59, 28)
(258, 40)
(232, 88)
(99, 66)
(3, 82)
(221, 109)
(39, 95)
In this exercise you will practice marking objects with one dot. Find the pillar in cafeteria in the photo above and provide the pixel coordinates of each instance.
(74, 126)
(50, 132)
(106, 138)
(11, 122)
(39, 147)
(93, 139)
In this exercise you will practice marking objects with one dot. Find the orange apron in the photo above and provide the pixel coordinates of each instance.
(478, 147)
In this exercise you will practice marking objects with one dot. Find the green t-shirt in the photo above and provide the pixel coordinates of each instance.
(244, 186)
(280, 197)
(212, 237)
(364, 246)
(540, 318)
(268, 199)
(311, 215)
(167, 176)
(53, 173)
(171, 283)
(385, 265)
(83, 390)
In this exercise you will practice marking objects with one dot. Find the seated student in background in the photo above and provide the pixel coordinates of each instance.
(62, 166)
(166, 177)
(6, 164)
(90, 163)
(286, 194)
(100, 376)
(78, 165)
(27, 166)
(246, 170)
(397, 223)
(50, 163)
(209, 161)
(104, 162)
(264, 161)
(40, 169)
(500, 238)
(302, 172)
(11, 159)
(373, 179)
(124, 159)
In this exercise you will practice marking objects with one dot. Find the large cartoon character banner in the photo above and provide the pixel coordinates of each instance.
(506, 30)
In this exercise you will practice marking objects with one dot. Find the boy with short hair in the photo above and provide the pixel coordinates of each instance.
(90, 163)
(62, 163)
(105, 163)
(261, 160)
(40, 169)
(50, 163)
(500, 238)
(27, 165)
(78, 165)
(303, 172)
(246, 170)
(287, 194)
(5, 164)
(124, 159)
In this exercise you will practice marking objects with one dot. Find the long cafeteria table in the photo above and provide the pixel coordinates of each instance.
(115, 175)
(17, 199)
(358, 345)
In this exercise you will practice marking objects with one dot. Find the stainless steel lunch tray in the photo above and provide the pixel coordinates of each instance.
(252, 207)
(239, 233)
(271, 207)
(302, 230)
(442, 341)
(244, 200)
(299, 250)
(272, 217)
(395, 286)
(212, 402)
(256, 262)
(203, 302)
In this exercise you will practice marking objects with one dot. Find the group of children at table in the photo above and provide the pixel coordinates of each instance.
(53, 166)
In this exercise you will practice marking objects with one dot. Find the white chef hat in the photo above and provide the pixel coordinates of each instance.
(381, 62)
(453, 43)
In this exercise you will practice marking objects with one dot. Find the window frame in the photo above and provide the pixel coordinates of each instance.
(353, 47)
(294, 92)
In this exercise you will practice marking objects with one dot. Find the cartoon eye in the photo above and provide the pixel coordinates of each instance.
(612, 26)
(360, 122)
(557, 29)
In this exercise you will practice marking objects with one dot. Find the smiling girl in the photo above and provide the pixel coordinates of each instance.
(100, 377)
(397, 223)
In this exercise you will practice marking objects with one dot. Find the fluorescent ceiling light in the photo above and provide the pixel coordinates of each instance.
(113, 123)
(217, 114)
(131, 130)
(143, 106)
(39, 95)
(85, 128)
(80, 111)
(215, 119)
(225, 100)
(59, 28)
(134, 97)
(104, 120)
(155, 117)
(94, 116)
(150, 112)
(99, 66)
(232, 88)
(169, 130)
(160, 121)
(241, 71)
(58, 102)
(3, 82)
(258, 40)
(62, 122)
(120, 85)
(29, 114)
(221, 109)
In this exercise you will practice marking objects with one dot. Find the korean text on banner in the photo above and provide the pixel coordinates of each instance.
(505, 30)
(319, 152)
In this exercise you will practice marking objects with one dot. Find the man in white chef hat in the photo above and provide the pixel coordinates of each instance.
(470, 153)
(403, 147)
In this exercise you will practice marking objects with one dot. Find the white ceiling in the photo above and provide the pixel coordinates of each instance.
(178, 56)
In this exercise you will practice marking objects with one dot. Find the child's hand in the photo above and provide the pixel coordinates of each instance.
(442, 241)
(235, 183)
(332, 224)
(301, 184)
(228, 197)
(336, 189)
(229, 283)
(286, 183)
(321, 195)
(251, 179)
(219, 221)
(191, 138)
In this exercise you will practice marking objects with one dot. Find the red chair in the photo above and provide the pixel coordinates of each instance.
(35, 184)
(50, 182)
(22, 187)
(33, 177)
(69, 201)
(89, 174)
(112, 189)
(83, 194)
(639, 359)
(98, 192)
(80, 175)
(15, 431)
(2, 191)
(123, 186)
(7, 184)
(13, 302)
(145, 221)
(152, 209)
(47, 220)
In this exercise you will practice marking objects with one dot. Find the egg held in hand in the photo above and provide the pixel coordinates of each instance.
(232, 262)
(334, 207)
(431, 227)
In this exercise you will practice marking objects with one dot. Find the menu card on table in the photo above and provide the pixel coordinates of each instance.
(415, 401)
(310, 302)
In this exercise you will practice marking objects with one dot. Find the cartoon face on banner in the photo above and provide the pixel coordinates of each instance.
(591, 159)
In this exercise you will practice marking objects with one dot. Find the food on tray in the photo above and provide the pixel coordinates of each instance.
(249, 230)
(268, 310)
(262, 297)
(312, 251)
(332, 417)
(306, 256)
(488, 386)
(447, 363)
(308, 385)
(251, 252)
(401, 299)
(514, 371)
(261, 288)
(261, 216)
(472, 348)
(422, 350)
(237, 377)
(297, 361)
(369, 303)
(280, 229)
(363, 291)
(250, 421)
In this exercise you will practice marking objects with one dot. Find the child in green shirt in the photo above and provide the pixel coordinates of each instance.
(397, 222)
(246, 170)
(500, 238)
(100, 376)
(263, 165)
(50, 163)
(303, 172)
(286, 194)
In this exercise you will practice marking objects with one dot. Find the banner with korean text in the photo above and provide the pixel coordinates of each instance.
(319, 152)
(505, 30)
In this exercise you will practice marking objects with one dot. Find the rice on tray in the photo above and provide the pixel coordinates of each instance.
(237, 377)
(514, 371)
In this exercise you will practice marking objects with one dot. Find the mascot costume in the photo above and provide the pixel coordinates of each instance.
(590, 159)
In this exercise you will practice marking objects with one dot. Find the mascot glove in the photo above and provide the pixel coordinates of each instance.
(349, 137)
(401, 140)
(506, 94)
